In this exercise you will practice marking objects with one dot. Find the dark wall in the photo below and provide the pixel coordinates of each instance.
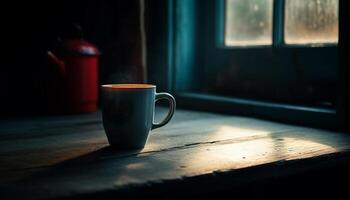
(159, 49)
(28, 80)
(343, 90)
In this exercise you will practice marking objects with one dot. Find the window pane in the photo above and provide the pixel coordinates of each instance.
(311, 21)
(248, 22)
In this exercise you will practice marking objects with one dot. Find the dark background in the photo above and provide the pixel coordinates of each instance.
(29, 82)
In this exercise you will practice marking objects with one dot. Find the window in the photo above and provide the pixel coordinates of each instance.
(274, 52)
(248, 22)
(311, 21)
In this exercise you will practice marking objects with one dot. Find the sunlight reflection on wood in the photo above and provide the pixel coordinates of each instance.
(250, 147)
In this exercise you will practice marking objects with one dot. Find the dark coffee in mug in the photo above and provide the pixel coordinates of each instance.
(128, 112)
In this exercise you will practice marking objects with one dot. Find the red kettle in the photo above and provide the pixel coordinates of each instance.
(78, 65)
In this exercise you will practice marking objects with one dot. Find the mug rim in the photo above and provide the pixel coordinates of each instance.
(128, 86)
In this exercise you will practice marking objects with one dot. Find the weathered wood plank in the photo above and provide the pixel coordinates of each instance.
(53, 143)
(72, 156)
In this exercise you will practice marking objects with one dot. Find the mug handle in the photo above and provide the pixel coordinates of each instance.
(172, 106)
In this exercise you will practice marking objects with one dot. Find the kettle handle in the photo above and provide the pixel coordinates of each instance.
(60, 64)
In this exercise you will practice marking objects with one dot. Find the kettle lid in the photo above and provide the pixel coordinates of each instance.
(80, 47)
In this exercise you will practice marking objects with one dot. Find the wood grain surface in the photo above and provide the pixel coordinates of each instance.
(63, 156)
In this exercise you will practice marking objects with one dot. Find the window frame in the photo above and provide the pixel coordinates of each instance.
(178, 72)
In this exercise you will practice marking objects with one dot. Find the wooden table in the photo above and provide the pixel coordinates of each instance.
(69, 156)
